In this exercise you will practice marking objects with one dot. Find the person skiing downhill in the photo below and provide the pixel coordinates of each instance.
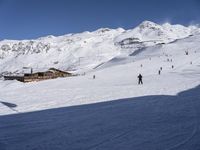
(140, 79)
(159, 72)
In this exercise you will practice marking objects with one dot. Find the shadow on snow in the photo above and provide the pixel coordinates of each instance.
(11, 106)
(142, 123)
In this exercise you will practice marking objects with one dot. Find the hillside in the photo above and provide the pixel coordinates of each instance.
(118, 74)
(85, 51)
(111, 111)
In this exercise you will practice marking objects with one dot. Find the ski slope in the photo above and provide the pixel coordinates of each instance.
(119, 74)
(143, 123)
(111, 111)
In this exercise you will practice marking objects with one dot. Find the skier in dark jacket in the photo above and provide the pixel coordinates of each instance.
(140, 79)
(159, 72)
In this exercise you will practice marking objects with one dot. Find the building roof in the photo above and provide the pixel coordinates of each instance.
(57, 70)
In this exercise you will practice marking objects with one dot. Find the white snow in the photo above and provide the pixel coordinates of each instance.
(87, 50)
(112, 111)
(115, 79)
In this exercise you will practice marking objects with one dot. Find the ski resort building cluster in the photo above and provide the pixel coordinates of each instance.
(52, 73)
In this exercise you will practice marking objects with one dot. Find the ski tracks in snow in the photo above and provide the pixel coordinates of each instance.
(193, 132)
(110, 139)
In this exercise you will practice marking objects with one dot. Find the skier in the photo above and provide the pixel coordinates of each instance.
(159, 72)
(140, 79)
(160, 68)
(94, 76)
(172, 66)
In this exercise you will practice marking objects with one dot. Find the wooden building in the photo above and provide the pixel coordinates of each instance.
(18, 78)
(52, 73)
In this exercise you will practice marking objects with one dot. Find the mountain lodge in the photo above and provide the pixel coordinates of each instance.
(52, 73)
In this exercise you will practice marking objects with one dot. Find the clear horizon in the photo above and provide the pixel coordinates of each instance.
(30, 19)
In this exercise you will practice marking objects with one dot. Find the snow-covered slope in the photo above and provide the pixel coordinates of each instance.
(87, 50)
(99, 53)
(114, 80)
(149, 31)
(149, 34)
(111, 111)
(66, 52)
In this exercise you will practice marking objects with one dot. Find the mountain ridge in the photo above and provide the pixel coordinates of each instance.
(84, 51)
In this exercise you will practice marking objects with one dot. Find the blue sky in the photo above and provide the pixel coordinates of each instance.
(26, 19)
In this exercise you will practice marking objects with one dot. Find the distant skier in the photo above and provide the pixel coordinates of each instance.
(140, 79)
(160, 68)
(94, 76)
(172, 66)
(159, 72)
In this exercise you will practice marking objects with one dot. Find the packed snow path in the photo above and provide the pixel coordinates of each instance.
(143, 123)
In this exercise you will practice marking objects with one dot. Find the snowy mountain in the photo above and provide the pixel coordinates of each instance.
(111, 111)
(117, 72)
(69, 52)
(87, 50)
(149, 34)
